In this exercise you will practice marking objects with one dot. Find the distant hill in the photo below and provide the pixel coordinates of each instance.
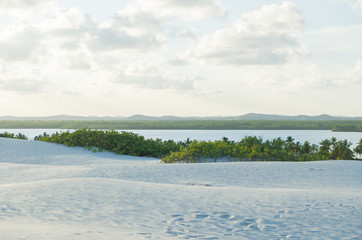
(323, 117)
(249, 116)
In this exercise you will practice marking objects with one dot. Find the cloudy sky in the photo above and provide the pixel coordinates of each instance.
(180, 57)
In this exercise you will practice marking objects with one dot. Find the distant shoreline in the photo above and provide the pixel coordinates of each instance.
(336, 126)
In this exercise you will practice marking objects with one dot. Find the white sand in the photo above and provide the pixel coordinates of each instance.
(49, 191)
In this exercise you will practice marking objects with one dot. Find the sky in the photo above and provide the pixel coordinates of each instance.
(180, 57)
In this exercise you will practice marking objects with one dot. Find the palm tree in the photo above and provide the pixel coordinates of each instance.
(325, 145)
(290, 139)
(358, 149)
(342, 151)
(306, 147)
(290, 145)
(334, 140)
(314, 148)
(325, 148)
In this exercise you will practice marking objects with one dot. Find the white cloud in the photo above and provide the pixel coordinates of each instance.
(311, 76)
(24, 4)
(68, 40)
(19, 41)
(132, 28)
(41, 40)
(358, 4)
(145, 74)
(304, 76)
(259, 37)
(296, 77)
(21, 79)
(108, 39)
(353, 76)
(136, 20)
(186, 9)
(139, 27)
(67, 30)
(357, 72)
(64, 41)
(68, 22)
(123, 32)
(26, 8)
(288, 77)
(187, 33)
(79, 58)
(148, 75)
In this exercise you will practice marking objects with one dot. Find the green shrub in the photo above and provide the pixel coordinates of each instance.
(127, 143)
(12, 135)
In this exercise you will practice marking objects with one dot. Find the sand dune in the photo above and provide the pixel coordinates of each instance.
(49, 191)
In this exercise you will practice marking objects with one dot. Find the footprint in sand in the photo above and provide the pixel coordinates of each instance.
(195, 224)
(282, 214)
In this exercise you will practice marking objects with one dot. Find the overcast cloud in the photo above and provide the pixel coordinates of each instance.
(215, 55)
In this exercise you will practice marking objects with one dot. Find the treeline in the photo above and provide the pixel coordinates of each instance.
(125, 143)
(190, 124)
(255, 149)
(13, 135)
(248, 149)
(347, 128)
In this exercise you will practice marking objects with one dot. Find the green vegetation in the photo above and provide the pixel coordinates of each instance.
(121, 143)
(347, 128)
(347, 125)
(358, 149)
(248, 149)
(12, 135)
(255, 149)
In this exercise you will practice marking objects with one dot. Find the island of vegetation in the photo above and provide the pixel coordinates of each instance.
(248, 149)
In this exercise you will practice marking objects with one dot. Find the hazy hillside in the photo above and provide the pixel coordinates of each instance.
(138, 117)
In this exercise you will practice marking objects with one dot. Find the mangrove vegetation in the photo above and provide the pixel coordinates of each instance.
(255, 149)
(248, 149)
(125, 143)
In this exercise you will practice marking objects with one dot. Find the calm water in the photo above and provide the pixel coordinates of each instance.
(313, 136)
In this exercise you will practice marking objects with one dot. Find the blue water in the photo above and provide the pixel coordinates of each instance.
(313, 136)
